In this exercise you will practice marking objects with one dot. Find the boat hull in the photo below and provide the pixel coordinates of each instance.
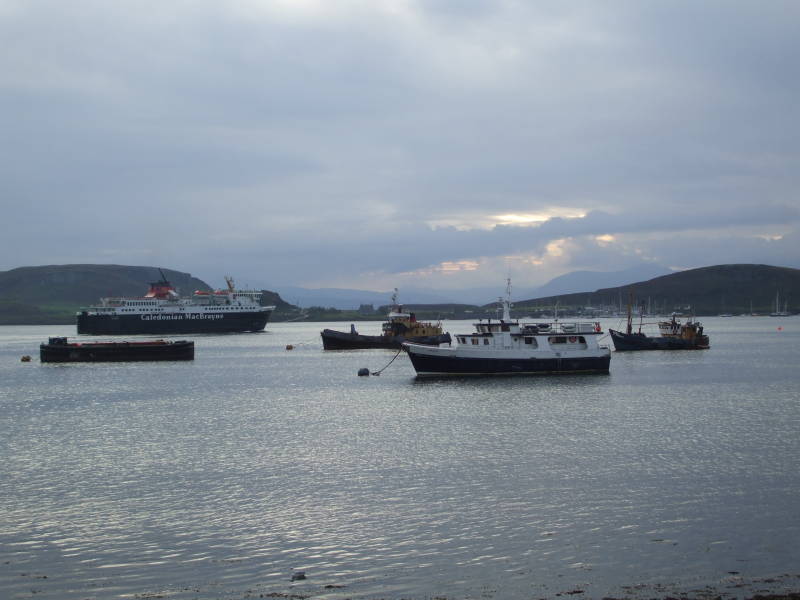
(628, 342)
(433, 365)
(117, 351)
(340, 340)
(169, 323)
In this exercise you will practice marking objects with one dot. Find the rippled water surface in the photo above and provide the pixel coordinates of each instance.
(223, 477)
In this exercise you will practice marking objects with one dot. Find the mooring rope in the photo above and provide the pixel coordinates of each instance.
(378, 372)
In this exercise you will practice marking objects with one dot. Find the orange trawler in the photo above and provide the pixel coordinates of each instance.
(400, 326)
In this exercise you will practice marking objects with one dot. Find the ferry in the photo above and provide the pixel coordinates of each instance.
(163, 311)
(507, 347)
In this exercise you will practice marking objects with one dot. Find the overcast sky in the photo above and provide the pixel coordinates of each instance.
(375, 144)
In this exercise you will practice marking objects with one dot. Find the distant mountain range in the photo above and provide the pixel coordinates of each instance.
(581, 281)
(576, 281)
(52, 294)
(347, 299)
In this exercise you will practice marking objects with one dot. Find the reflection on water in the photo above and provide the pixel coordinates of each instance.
(222, 477)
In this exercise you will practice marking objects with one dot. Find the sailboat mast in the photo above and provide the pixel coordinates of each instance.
(629, 328)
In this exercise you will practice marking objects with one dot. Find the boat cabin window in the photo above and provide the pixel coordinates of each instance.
(485, 341)
(531, 342)
(573, 340)
(463, 340)
(505, 327)
(475, 341)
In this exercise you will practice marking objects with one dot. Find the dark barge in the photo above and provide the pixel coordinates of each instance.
(58, 349)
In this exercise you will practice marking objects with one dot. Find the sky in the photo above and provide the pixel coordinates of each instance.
(373, 144)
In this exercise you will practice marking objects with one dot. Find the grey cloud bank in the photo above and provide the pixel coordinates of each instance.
(376, 144)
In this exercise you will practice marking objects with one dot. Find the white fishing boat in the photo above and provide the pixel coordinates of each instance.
(507, 347)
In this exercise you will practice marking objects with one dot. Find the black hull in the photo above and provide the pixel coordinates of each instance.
(162, 324)
(629, 342)
(340, 340)
(116, 352)
(450, 365)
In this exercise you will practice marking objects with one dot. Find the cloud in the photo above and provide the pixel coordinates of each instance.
(311, 142)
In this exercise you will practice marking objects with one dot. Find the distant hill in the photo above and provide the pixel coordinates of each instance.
(577, 281)
(580, 281)
(707, 291)
(52, 294)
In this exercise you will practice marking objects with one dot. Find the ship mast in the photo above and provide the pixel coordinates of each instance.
(506, 304)
(629, 328)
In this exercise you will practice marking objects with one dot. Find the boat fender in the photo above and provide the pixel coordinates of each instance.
(597, 327)
(363, 372)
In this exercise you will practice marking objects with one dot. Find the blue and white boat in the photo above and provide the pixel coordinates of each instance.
(507, 347)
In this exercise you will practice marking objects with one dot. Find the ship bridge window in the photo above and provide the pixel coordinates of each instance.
(577, 341)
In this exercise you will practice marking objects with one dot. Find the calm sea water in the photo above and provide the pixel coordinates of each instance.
(220, 478)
